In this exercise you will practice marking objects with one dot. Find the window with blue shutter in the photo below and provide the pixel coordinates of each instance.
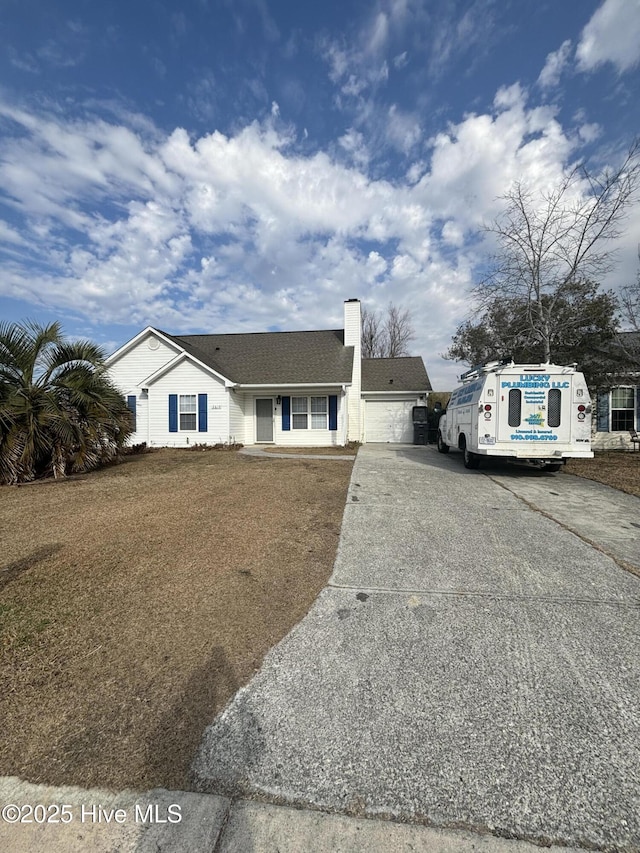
(286, 414)
(173, 413)
(131, 405)
(333, 411)
(602, 422)
(202, 412)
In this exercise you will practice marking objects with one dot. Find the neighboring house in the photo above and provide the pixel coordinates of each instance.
(286, 388)
(617, 409)
(617, 412)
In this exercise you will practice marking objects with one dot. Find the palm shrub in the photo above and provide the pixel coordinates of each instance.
(59, 411)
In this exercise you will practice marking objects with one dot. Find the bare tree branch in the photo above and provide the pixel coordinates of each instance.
(547, 247)
(386, 338)
(399, 331)
(373, 341)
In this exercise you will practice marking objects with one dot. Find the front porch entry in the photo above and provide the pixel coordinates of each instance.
(264, 419)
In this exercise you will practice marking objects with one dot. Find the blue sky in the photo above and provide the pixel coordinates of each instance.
(245, 165)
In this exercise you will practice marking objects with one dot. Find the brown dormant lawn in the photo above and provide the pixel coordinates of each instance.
(619, 469)
(136, 600)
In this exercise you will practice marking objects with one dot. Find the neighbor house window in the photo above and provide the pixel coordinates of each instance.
(188, 412)
(309, 412)
(622, 409)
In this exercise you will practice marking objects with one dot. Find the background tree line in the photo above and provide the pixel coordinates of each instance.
(540, 299)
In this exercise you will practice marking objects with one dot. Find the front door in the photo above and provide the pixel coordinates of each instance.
(264, 420)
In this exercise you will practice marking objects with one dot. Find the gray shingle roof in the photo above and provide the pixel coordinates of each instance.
(394, 374)
(266, 358)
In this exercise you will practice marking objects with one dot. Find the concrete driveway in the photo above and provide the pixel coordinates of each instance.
(472, 664)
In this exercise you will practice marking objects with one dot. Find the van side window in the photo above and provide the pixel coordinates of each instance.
(515, 407)
(553, 414)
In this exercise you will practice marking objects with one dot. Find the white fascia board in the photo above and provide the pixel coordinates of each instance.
(392, 391)
(140, 336)
(276, 385)
(182, 356)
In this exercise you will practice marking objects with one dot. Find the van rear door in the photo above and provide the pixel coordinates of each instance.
(535, 409)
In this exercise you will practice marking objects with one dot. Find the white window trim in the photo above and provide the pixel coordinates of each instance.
(633, 411)
(309, 414)
(180, 428)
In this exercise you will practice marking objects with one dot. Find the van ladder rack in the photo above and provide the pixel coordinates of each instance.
(481, 369)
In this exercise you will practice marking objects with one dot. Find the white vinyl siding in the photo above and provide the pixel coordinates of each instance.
(187, 379)
(139, 362)
(237, 419)
(309, 437)
(353, 401)
(131, 369)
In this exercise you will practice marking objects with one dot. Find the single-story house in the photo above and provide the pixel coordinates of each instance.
(286, 388)
(617, 408)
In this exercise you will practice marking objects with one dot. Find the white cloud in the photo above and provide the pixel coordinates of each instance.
(354, 86)
(378, 33)
(11, 235)
(400, 60)
(240, 232)
(403, 129)
(555, 64)
(453, 234)
(508, 97)
(611, 35)
(24, 62)
(353, 143)
(589, 131)
(362, 63)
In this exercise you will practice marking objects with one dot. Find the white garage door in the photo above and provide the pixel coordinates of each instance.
(389, 420)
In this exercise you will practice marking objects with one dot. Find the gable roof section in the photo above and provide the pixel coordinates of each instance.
(272, 358)
(180, 357)
(148, 330)
(394, 374)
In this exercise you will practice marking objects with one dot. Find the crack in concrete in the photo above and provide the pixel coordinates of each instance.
(503, 596)
(623, 564)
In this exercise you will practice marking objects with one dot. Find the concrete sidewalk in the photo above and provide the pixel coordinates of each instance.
(469, 681)
(104, 822)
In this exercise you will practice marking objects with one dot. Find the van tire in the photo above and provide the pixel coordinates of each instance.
(553, 467)
(442, 447)
(471, 460)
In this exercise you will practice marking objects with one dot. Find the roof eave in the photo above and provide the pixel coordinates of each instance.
(246, 386)
(397, 391)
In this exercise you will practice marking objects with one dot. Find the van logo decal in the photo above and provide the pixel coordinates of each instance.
(535, 419)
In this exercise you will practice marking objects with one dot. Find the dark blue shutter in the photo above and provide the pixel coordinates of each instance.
(333, 411)
(131, 405)
(202, 412)
(286, 413)
(173, 413)
(603, 412)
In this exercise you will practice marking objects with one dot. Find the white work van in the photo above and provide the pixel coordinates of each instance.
(538, 413)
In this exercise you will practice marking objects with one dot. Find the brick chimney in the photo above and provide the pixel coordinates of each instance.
(352, 338)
